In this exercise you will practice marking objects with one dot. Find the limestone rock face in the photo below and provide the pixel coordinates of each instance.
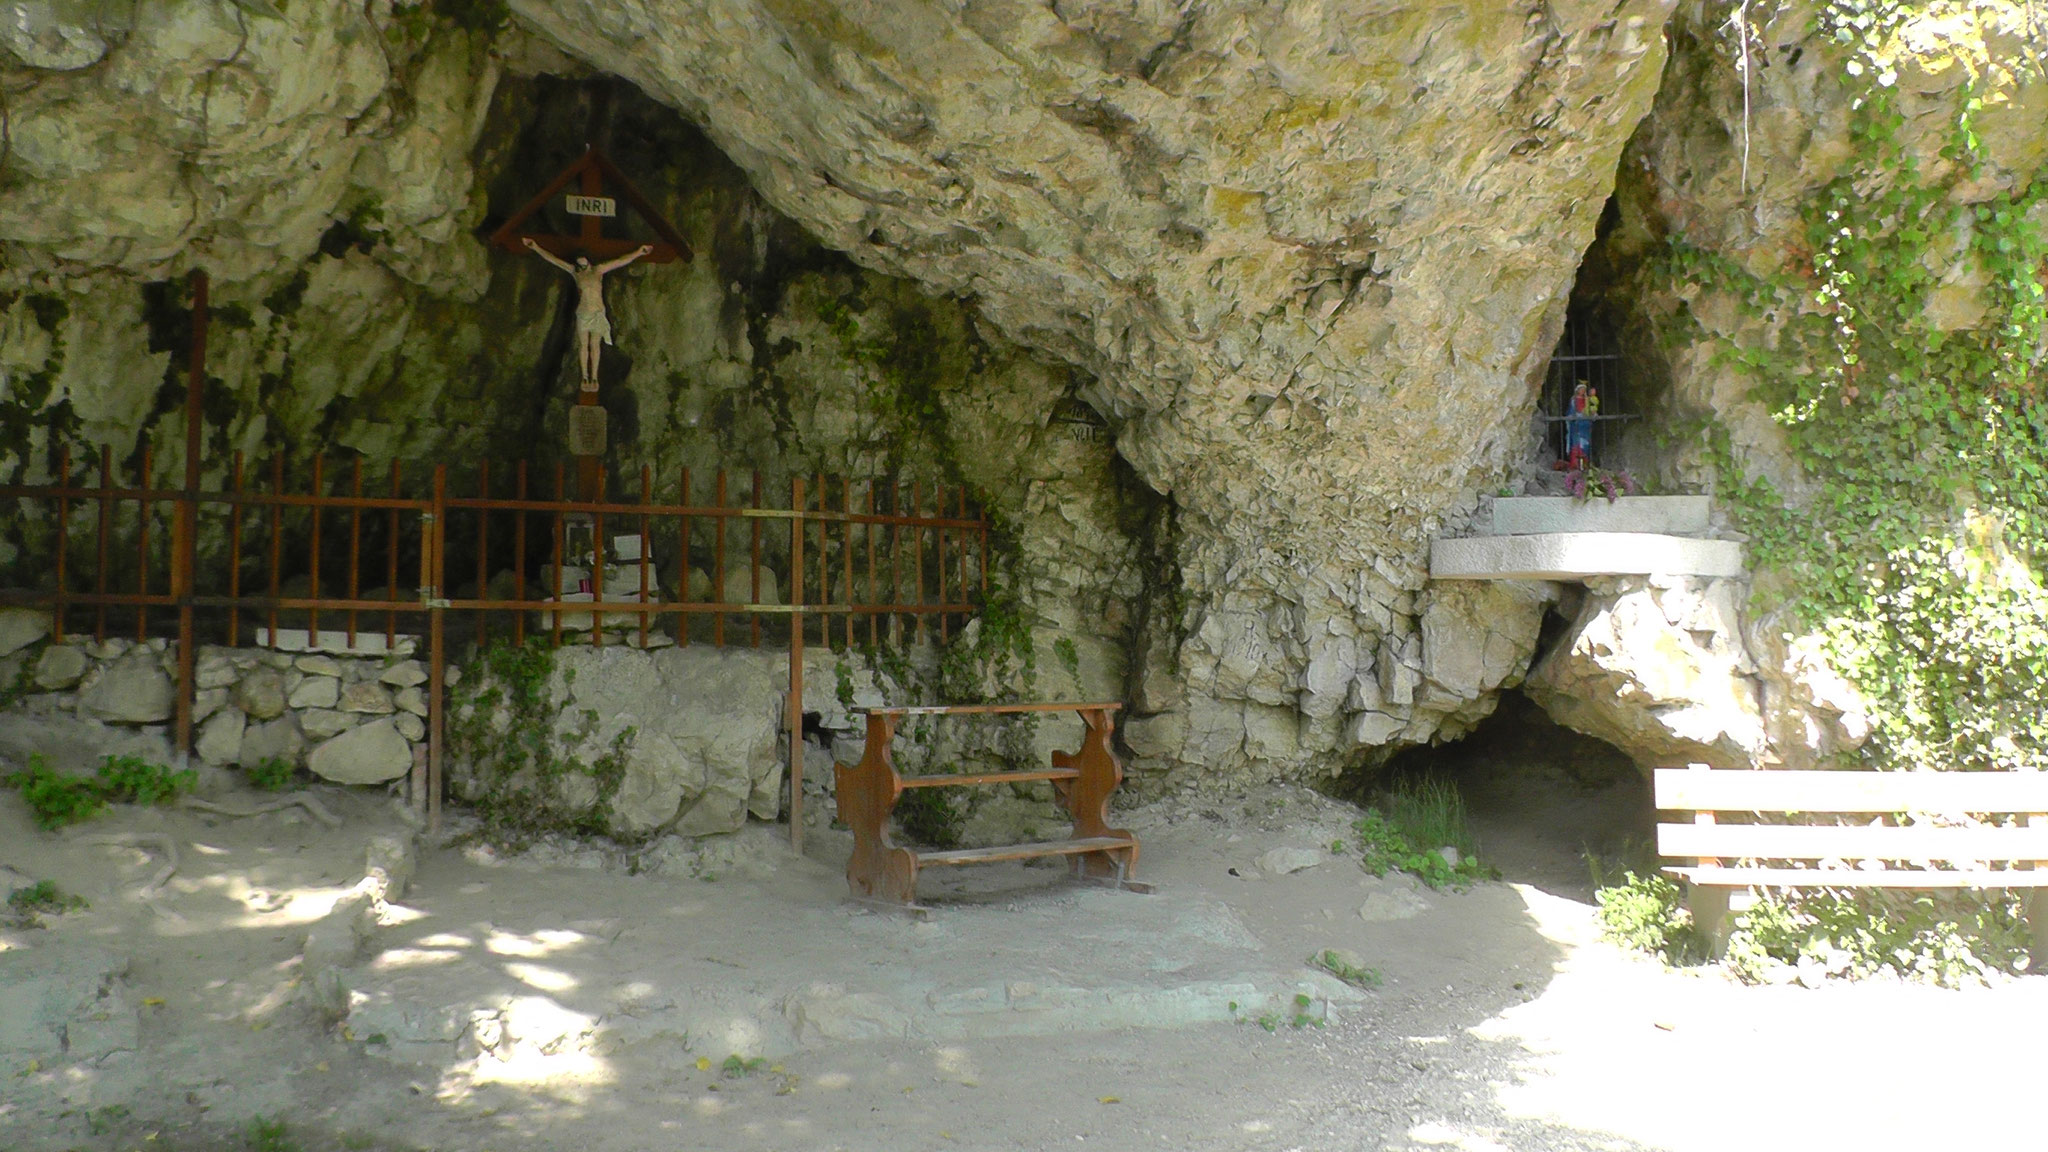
(53, 34)
(1293, 244)
(1659, 669)
(243, 135)
(1686, 175)
(1303, 261)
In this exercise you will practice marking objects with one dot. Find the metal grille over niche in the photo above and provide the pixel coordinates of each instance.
(1586, 353)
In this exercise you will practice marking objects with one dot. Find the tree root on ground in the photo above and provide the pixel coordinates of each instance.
(304, 800)
(147, 840)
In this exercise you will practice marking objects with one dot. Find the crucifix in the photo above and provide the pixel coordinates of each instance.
(588, 256)
(593, 327)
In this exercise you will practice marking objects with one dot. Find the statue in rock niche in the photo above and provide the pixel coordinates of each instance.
(1578, 427)
(593, 327)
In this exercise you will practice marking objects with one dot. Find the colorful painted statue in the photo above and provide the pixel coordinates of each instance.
(1578, 429)
(593, 328)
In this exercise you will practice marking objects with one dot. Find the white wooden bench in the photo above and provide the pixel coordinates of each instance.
(2006, 846)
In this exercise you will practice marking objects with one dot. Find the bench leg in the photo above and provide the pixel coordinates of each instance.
(877, 869)
(1708, 904)
(1087, 799)
(2037, 928)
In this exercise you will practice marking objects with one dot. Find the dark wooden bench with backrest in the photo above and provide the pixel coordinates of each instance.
(1994, 835)
(884, 871)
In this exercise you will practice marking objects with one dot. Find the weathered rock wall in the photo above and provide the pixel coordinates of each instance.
(1725, 174)
(767, 352)
(1292, 246)
(1305, 261)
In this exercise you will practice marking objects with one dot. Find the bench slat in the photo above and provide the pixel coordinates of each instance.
(1807, 842)
(983, 709)
(1023, 776)
(1751, 790)
(1022, 851)
(1858, 878)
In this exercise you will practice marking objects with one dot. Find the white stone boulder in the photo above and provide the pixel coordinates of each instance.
(132, 690)
(370, 754)
(21, 627)
(1287, 861)
(220, 738)
(1659, 669)
(703, 750)
(366, 697)
(60, 666)
(315, 692)
(277, 739)
(260, 694)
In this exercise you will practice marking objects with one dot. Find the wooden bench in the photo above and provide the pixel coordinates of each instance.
(884, 871)
(1863, 854)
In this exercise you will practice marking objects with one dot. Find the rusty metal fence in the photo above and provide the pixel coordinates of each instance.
(353, 558)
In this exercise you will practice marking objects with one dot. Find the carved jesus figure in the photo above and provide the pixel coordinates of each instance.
(593, 328)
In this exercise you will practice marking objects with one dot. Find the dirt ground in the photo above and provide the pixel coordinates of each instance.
(571, 997)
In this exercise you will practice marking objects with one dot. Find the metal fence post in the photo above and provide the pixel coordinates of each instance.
(185, 521)
(796, 665)
(437, 654)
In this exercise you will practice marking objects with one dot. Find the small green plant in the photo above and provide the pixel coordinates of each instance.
(275, 774)
(842, 683)
(270, 1134)
(1069, 658)
(1300, 1016)
(133, 780)
(26, 906)
(1647, 914)
(737, 1066)
(100, 1121)
(931, 816)
(1949, 941)
(1407, 828)
(1344, 968)
(55, 800)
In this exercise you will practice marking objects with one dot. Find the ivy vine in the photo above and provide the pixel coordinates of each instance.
(503, 724)
(1916, 542)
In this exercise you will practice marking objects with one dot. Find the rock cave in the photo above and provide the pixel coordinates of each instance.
(1343, 394)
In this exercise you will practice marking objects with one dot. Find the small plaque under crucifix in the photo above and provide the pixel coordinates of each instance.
(587, 430)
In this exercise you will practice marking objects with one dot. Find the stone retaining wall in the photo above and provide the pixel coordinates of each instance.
(349, 719)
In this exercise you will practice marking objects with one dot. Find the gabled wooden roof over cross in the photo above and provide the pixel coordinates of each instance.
(592, 171)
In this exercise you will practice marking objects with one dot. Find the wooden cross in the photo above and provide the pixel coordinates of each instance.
(590, 171)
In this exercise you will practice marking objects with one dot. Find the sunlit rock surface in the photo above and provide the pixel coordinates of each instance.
(1305, 263)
